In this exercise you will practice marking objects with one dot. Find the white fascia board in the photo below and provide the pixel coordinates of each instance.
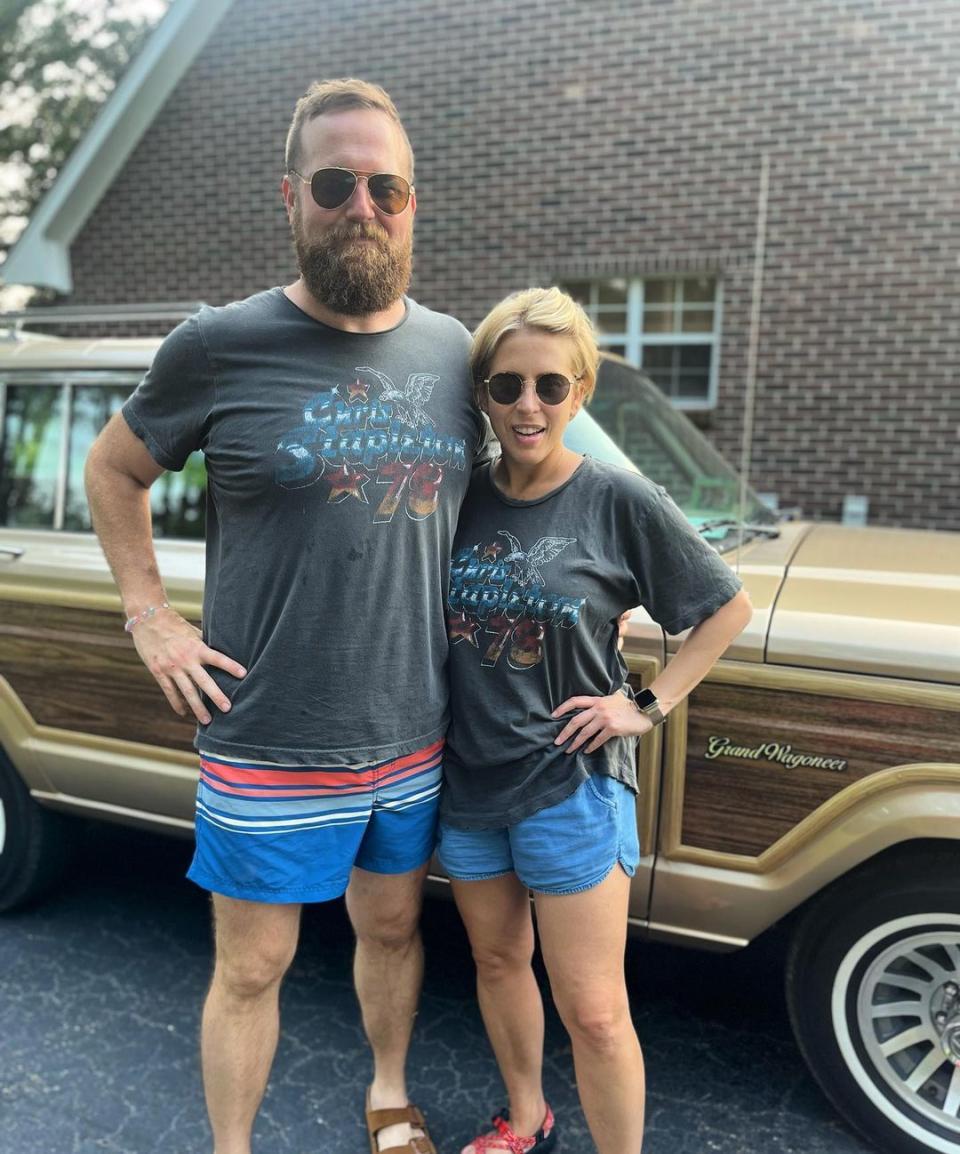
(42, 254)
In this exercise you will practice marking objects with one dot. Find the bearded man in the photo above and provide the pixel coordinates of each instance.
(335, 418)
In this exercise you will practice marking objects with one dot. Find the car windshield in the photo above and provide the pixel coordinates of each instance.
(634, 425)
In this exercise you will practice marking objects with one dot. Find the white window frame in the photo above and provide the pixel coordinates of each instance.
(634, 339)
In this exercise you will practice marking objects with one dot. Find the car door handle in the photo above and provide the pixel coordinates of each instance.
(10, 552)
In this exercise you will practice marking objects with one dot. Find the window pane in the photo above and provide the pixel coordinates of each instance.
(612, 292)
(658, 320)
(619, 349)
(658, 365)
(698, 320)
(695, 357)
(30, 458)
(699, 290)
(579, 290)
(93, 406)
(680, 370)
(660, 291)
(610, 320)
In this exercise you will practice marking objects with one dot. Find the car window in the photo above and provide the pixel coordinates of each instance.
(30, 455)
(666, 447)
(41, 460)
(93, 406)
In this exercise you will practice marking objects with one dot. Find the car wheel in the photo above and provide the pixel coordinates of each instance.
(35, 843)
(873, 988)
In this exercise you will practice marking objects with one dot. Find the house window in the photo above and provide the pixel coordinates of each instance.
(668, 326)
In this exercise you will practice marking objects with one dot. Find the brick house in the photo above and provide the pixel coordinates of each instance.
(611, 146)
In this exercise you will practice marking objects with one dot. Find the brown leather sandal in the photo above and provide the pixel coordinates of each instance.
(378, 1120)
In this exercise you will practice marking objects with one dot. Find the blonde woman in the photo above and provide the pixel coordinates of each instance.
(540, 761)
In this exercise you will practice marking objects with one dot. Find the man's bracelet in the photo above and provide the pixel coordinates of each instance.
(144, 615)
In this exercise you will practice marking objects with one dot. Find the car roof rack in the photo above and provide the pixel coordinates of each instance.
(18, 321)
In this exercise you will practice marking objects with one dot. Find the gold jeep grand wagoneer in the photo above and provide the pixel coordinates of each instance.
(811, 782)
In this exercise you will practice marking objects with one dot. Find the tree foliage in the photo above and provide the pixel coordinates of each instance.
(59, 61)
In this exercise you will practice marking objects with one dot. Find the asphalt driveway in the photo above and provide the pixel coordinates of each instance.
(100, 994)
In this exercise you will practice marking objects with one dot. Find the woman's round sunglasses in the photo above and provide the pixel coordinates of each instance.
(505, 388)
(332, 187)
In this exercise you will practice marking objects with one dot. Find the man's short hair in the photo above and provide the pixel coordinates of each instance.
(326, 96)
(548, 310)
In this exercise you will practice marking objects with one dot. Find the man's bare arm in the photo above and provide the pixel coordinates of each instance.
(118, 475)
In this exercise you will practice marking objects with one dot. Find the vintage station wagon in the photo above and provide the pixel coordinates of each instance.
(812, 782)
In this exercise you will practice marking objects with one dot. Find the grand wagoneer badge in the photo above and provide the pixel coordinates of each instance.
(772, 751)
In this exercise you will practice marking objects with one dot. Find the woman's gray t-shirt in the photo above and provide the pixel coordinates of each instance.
(536, 588)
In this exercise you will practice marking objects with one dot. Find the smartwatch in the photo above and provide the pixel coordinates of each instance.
(647, 703)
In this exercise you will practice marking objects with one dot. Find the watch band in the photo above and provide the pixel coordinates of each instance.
(647, 703)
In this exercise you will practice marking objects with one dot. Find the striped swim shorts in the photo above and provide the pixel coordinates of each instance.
(268, 832)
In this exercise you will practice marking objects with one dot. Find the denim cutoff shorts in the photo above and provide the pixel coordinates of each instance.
(563, 849)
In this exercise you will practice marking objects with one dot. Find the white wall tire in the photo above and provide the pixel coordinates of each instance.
(873, 987)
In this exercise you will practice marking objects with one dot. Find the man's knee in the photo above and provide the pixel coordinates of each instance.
(393, 931)
(249, 971)
(386, 915)
(255, 945)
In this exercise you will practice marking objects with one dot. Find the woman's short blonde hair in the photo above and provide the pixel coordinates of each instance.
(550, 310)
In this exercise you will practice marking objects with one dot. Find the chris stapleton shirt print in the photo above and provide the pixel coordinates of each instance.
(370, 432)
(498, 588)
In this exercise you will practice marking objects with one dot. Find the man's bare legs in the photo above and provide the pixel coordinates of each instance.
(388, 972)
(255, 944)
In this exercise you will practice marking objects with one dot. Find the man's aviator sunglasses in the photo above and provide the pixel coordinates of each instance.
(332, 187)
(505, 388)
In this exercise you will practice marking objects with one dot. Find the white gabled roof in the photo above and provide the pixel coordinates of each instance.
(42, 254)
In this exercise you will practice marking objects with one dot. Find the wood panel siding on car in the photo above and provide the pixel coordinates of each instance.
(743, 804)
(76, 669)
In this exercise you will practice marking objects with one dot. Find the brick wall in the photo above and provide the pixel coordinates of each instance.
(560, 138)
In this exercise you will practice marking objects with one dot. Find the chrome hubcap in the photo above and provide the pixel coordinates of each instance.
(908, 1014)
(947, 1020)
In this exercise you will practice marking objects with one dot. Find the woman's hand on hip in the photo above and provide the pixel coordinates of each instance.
(599, 719)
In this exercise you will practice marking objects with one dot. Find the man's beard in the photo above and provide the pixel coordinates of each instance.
(350, 276)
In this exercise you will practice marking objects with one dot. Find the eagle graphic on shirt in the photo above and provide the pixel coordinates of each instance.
(506, 596)
(543, 551)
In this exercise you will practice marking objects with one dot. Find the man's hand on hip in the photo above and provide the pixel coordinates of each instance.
(174, 652)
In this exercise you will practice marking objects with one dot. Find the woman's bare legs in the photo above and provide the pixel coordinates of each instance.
(583, 938)
(496, 913)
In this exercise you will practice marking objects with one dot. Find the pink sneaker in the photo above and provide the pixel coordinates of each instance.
(502, 1138)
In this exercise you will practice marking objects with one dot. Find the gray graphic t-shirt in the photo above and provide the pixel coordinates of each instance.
(336, 464)
(536, 588)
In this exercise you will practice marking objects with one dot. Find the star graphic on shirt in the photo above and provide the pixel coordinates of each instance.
(461, 628)
(356, 391)
(492, 551)
(344, 484)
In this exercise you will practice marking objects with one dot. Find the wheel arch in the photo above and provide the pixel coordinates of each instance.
(734, 898)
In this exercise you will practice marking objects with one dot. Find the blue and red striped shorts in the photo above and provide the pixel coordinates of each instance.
(268, 832)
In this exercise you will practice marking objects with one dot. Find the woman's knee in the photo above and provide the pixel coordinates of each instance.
(502, 958)
(600, 1024)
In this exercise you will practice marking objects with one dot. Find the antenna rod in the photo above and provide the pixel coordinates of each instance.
(755, 301)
